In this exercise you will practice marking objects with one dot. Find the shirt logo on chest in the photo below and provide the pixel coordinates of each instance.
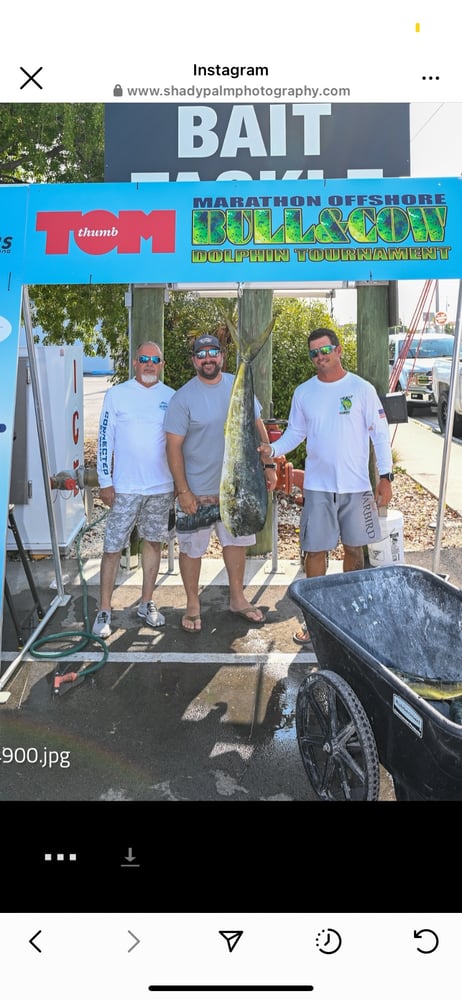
(346, 402)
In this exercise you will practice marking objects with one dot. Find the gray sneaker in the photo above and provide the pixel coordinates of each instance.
(150, 614)
(102, 625)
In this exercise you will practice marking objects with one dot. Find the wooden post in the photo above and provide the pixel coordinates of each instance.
(147, 324)
(255, 312)
(147, 317)
(373, 311)
(393, 304)
(372, 335)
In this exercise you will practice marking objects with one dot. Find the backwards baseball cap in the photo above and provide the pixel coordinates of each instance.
(206, 340)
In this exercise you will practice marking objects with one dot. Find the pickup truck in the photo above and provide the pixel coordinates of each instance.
(415, 369)
(441, 381)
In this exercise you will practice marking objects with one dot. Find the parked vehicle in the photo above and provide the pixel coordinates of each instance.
(441, 382)
(415, 378)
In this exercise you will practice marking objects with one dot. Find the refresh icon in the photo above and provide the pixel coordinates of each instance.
(432, 940)
(328, 941)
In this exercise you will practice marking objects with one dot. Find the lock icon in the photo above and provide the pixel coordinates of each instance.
(118, 92)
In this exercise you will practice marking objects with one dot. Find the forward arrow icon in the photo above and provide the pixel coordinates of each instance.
(137, 941)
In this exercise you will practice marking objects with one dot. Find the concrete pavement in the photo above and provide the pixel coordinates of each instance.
(170, 716)
(420, 452)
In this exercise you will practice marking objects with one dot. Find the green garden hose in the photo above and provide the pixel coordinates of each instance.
(85, 635)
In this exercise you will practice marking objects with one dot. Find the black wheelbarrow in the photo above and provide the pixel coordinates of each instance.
(388, 685)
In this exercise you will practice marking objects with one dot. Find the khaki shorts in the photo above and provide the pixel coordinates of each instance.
(195, 543)
(149, 514)
(328, 517)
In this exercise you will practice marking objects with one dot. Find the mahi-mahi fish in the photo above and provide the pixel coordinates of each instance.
(243, 490)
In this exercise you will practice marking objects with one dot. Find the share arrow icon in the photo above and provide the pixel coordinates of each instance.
(231, 938)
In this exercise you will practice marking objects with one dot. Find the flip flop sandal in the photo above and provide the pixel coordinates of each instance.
(247, 613)
(193, 619)
(302, 637)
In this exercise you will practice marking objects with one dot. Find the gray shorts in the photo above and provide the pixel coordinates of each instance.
(149, 513)
(195, 543)
(328, 517)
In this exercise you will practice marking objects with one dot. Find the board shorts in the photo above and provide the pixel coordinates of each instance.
(327, 518)
(150, 514)
(195, 543)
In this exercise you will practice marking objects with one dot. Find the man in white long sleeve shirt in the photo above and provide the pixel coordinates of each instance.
(135, 480)
(338, 413)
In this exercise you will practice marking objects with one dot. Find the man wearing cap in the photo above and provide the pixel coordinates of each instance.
(194, 424)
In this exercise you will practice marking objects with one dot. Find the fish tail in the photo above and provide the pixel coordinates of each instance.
(248, 347)
(256, 345)
(233, 332)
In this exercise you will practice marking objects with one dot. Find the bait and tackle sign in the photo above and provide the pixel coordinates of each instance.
(246, 141)
(260, 231)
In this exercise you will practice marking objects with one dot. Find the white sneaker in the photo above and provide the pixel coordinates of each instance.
(102, 625)
(150, 614)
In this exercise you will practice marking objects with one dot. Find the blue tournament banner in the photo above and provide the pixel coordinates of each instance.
(245, 231)
(13, 207)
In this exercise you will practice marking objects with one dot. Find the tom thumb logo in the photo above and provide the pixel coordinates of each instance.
(99, 231)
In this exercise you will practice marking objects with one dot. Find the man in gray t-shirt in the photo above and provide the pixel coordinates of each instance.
(194, 424)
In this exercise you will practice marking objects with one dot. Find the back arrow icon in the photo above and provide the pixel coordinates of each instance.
(32, 939)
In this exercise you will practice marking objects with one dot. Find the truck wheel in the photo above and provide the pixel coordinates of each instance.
(442, 412)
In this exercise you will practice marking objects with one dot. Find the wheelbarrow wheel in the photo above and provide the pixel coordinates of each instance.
(336, 741)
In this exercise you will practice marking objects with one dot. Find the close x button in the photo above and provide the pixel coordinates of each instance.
(31, 77)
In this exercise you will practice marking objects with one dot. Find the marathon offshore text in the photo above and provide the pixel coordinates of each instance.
(314, 231)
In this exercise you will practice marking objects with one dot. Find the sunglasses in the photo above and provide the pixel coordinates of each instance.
(144, 358)
(327, 349)
(212, 352)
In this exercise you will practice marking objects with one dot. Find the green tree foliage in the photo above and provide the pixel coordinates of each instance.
(186, 316)
(94, 314)
(51, 143)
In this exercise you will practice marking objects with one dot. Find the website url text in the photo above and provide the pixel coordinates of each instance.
(313, 93)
